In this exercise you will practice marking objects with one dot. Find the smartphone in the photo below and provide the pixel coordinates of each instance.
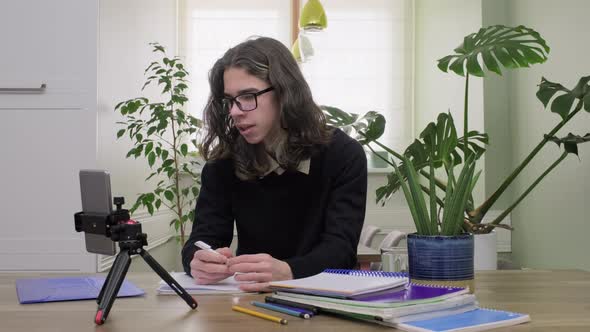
(95, 189)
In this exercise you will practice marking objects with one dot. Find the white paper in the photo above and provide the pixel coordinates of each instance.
(225, 286)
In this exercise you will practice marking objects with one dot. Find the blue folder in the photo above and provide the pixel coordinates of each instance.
(38, 290)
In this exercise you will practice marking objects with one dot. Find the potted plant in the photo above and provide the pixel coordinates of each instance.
(440, 252)
(161, 132)
(497, 47)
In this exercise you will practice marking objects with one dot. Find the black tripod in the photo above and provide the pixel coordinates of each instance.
(131, 241)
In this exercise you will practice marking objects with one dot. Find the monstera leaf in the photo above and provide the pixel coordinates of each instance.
(338, 118)
(365, 129)
(476, 143)
(562, 104)
(570, 142)
(438, 143)
(440, 140)
(498, 46)
(383, 193)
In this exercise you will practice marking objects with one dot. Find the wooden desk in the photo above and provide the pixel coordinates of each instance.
(555, 300)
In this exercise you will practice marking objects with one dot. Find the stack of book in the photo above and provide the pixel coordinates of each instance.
(388, 298)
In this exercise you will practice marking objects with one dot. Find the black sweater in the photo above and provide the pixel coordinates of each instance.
(311, 221)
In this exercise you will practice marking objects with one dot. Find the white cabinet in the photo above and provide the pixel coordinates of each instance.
(51, 43)
(46, 136)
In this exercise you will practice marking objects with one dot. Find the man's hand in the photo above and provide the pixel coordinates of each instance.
(259, 268)
(208, 267)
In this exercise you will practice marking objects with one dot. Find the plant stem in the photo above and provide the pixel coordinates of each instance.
(390, 151)
(427, 191)
(480, 212)
(176, 176)
(432, 196)
(424, 173)
(529, 189)
(438, 182)
(466, 116)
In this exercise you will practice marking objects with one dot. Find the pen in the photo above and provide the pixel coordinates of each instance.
(304, 311)
(311, 308)
(205, 246)
(279, 308)
(259, 314)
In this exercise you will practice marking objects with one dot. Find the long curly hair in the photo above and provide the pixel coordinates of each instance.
(303, 122)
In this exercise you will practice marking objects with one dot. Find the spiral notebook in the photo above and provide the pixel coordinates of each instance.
(389, 298)
(342, 283)
(386, 311)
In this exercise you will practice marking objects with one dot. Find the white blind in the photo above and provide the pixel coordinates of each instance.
(209, 28)
(363, 62)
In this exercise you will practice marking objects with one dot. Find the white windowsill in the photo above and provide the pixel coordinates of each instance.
(380, 170)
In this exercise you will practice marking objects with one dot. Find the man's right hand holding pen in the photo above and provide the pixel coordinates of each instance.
(255, 271)
(210, 266)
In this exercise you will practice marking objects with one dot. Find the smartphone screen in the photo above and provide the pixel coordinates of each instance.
(95, 188)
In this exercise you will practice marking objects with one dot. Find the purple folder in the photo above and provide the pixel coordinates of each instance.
(37, 290)
(411, 292)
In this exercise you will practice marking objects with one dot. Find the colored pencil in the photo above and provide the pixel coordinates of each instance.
(278, 308)
(259, 315)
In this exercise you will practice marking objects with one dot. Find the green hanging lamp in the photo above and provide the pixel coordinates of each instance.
(313, 17)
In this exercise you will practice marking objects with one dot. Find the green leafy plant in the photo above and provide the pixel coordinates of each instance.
(495, 48)
(161, 132)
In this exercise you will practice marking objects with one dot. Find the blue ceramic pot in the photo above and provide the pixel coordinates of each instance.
(442, 260)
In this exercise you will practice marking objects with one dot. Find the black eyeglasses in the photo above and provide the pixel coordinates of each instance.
(246, 102)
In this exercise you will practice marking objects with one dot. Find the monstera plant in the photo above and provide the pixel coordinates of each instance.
(495, 48)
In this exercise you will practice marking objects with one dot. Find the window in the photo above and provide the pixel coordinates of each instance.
(209, 28)
(361, 62)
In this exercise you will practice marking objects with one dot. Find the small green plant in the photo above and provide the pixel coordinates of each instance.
(496, 47)
(161, 132)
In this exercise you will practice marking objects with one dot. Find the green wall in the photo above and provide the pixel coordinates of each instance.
(440, 28)
(497, 123)
(552, 223)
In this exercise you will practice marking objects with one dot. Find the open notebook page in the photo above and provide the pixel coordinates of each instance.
(228, 285)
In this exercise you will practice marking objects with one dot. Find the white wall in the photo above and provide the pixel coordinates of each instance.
(126, 29)
(45, 138)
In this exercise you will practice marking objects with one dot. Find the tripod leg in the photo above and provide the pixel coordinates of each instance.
(111, 289)
(168, 279)
(106, 281)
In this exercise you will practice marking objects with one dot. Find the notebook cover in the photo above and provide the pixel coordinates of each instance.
(412, 292)
(340, 283)
(476, 320)
(38, 290)
(385, 311)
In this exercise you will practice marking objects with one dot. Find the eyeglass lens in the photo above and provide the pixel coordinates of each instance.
(246, 102)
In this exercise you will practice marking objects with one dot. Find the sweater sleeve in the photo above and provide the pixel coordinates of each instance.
(344, 215)
(214, 219)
